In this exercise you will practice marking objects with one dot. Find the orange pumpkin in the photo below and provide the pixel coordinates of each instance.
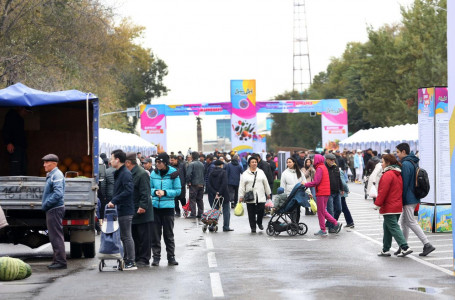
(74, 167)
(87, 159)
(67, 161)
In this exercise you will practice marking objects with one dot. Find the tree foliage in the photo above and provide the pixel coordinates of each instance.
(380, 77)
(75, 44)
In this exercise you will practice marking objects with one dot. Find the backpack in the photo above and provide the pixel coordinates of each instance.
(422, 184)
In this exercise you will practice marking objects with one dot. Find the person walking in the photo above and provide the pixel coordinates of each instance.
(334, 206)
(123, 198)
(373, 179)
(106, 190)
(233, 171)
(254, 179)
(409, 164)
(179, 165)
(195, 180)
(358, 165)
(218, 185)
(164, 189)
(389, 200)
(344, 205)
(54, 206)
(309, 171)
(322, 183)
(143, 211)
(350, 160)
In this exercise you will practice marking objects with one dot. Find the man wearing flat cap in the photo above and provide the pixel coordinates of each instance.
(336, 190)
(54, 206)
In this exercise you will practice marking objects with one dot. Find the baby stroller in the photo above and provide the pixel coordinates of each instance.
(110, 247)
(284, 216)
(210, 217)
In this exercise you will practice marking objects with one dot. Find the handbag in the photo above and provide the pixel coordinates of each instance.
(373, 191)
(239, 211)
(313, 205)
(249, 196)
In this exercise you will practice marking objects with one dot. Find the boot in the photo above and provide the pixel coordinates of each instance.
(427, 249)
(172, 262)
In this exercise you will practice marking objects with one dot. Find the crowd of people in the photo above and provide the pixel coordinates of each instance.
(150, 192)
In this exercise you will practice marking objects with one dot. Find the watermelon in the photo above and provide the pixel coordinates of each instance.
(9, 268)
(22, 271)
(29, 270)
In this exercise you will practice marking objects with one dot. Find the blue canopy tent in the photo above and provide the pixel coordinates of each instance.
(61, 123)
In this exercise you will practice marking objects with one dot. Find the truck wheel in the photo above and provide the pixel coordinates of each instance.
(75, 250)
(89, 250)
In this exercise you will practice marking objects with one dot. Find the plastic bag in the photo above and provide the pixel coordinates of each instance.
(269, 204)
(3, 222)
(373, 191)
(238, 210)
(314, 207)
(349, 172)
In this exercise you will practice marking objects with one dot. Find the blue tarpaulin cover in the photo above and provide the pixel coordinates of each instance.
(21, 95)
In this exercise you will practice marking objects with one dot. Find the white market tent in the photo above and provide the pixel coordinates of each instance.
(383, 138)
(111, 140)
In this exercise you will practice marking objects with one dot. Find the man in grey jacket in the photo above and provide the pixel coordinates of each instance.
(195, 180)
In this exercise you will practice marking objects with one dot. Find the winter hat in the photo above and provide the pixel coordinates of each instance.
(163, 157)
(218, 162)
(330, 156)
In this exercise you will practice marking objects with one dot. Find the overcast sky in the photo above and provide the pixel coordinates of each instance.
(206, 43)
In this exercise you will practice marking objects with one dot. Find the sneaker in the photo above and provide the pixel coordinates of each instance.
(172, 262)
(129, 266)
(386, 253)
(156, 262)
(397, 252)
(427, 249)
(351, 225)
(338, 227)
(321, 233)
(405, 252)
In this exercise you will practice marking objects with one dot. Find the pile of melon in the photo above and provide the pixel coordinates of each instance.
(83, 166)
(13, 269)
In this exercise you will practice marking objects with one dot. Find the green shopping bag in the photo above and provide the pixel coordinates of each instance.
(238, 211)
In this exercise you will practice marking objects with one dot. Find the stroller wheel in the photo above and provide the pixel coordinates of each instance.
(293, 229)
(302, 228)
(270, 230)
(101, 265)
(204, 228)
(211, 228)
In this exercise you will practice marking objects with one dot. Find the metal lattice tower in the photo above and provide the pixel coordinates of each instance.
(301, 58)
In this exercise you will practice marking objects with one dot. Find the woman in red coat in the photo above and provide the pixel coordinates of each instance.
(321, 181)
(390, 202)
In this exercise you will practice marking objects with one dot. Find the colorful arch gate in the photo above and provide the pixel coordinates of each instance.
(243, 109)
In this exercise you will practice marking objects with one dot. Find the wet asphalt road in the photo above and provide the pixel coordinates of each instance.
(242, 265)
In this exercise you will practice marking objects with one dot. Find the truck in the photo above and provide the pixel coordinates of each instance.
(64, 123)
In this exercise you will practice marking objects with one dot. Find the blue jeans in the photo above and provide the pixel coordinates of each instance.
(334, 208)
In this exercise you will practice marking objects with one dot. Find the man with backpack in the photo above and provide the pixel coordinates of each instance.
(409, 167)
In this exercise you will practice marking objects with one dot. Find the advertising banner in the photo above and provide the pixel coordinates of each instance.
(153, 125)
(442, 146)
(243, 117)
(290, 106)
(451, 110)
(259, 143)
(334, 121)
(223, 108)
(426, 109)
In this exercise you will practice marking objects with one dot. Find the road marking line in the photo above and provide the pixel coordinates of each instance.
(217, 288)
(451, 273)
(443, 251)
(291, 239)
(446, 266)
(418, 241)
(438, 258)
(41, 248)
(209, 242)
(212, 260)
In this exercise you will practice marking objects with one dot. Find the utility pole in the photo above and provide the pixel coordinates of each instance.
(199, 134)
(301, 78)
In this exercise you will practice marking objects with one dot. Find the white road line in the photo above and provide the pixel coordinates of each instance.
(209, 242)
(41, 248)
(291, 239)
(443, 251)
(447, 266)
(212, 260)
(217, 288)
(438, 258)
(410, 256)
(418, 241)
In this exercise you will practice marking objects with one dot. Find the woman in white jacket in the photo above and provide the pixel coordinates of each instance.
(261, 190)
(374, 179)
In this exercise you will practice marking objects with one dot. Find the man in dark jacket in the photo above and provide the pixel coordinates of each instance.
(208, 167)
(106, 190)
(143, 211)
(180, 167)
(218, 186)
(233, 172)
(264, 166)
(372, 162)
(408, 172)
(195, 181)
(15, 140)
(123, 199)
(301, 159)
(336, 190)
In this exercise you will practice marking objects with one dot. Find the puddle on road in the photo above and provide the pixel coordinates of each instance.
(427, 290)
